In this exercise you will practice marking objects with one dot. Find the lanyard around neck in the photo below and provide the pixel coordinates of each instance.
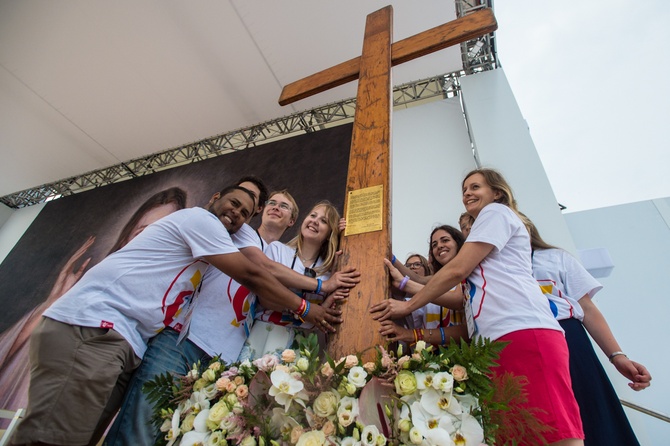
(295, 255)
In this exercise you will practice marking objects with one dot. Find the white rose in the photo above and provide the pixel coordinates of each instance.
(357, 376)
(312, 438)
(415, 436)
(248, 441)
(326, 404)
(218, 412)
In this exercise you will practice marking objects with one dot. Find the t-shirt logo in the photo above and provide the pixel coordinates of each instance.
(182, 287)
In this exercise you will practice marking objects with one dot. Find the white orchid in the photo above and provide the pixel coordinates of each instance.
(174, 431)
(470, 432)
(436, 429)
(437, 403)
(283, 423)
(285, 389)
(424, 380)
(200, 431)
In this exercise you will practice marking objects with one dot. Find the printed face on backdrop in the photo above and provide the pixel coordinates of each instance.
(152, 216)
(233, 209)
(477, 194)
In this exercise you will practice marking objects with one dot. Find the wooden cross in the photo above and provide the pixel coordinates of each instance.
(369, 159)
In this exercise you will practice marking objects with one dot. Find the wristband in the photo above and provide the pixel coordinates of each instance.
(442, 335)
(614, 355)
(319, 282)
(403, 282)
(393, 259)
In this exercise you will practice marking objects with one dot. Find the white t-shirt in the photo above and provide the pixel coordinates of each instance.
(285, 255)
(139, 289)
(222, 306)
(435, 316)
(564, 281)
(504, 296)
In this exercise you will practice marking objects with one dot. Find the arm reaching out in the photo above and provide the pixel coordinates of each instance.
(272, 294)
(597, 326)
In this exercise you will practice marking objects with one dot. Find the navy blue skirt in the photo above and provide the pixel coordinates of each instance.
(605, 422)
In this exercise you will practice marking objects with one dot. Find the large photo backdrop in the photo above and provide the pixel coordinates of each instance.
(71, 230)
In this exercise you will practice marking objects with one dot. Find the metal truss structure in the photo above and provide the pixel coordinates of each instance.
(478, 55)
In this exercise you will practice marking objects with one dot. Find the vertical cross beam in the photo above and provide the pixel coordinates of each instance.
(369, 160)
(369, 165)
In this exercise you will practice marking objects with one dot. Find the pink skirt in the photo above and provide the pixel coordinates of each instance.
(541, 355)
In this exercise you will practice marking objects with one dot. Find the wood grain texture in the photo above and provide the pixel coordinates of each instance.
(369, 165)
(452, 33)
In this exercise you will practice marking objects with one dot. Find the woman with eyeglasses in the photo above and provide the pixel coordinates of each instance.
(312, 253)
(418, 264)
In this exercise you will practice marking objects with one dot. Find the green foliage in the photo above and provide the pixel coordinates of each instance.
(508, 418)
(480, 356)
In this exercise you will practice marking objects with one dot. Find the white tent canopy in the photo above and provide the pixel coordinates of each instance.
(87, 85)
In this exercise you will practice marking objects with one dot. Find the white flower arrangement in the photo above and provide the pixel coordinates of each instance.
(423, 399)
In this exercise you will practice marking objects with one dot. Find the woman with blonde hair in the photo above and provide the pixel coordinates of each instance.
(312, 253)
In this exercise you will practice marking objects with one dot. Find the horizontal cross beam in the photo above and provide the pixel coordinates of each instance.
(434, 39)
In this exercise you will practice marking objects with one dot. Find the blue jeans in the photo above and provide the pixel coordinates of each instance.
(133, 423)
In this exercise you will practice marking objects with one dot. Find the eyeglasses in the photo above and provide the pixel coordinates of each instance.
(309, 272)
(282, 205)
(414, 265)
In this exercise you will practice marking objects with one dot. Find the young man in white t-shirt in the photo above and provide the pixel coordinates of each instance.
(89, 342)
(215, 325)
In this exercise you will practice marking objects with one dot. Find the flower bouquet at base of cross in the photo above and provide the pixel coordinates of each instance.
(435, 396)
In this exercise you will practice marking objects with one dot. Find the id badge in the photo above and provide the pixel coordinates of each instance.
(249, 321)
(183, 328)
(469, 315)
